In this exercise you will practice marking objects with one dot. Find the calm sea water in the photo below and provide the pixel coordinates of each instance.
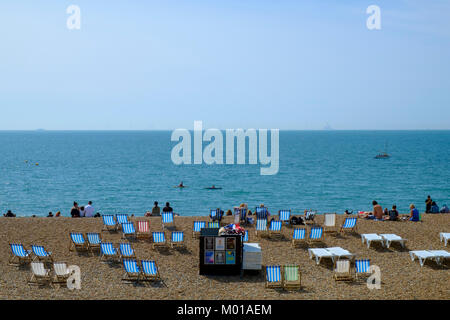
(329, 171)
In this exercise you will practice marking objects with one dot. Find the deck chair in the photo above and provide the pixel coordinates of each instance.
(261, 213)
(198, 226)
(150, 270)
(41, 254)
(108, 223)
(132, 270)
(284, 216)
(177, 239)
(126, 251)
(39, 275)
(128, 230)
(159, 239)
(292, 277)
(389, 238)
(362, 267)
(122, 218)
(443, 236)
(309, 216)
(245, 236)
(243, 215)
(214, 214)
(167, 218)
(274, 277)
(77, 242)
(315, 235)
(143, 230)
(371, 237)
(214, 224)
(108, 251)
(261, 226)
(61, 273)
(275, 228)
(330, 223)
(349, 225)
(342, 271)
(94, 239)
(298, 236)
(19, 253)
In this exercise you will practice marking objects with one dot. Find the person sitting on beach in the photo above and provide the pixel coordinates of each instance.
(89, 210)
(97, 215)
(267, 211)
(428, 203)
(9, 214)
(50, 215)
(377, 211)
(434, 208)
(82, 212)
(167, 208)
(348, 212)
(444, 209)
(58, 214)
(75, 211)
(219, 214)
(156, 211)
(393, 214)
(386, 212)
(414, 216)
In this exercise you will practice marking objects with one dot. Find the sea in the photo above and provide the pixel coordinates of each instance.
(126, 171)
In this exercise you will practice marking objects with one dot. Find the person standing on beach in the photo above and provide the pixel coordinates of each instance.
(167, 208)
(377, 210)
(75, 211)
(156, 211)
(89, 210)
(428, 204)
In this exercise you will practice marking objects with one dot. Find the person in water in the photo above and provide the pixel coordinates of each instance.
(181, 185)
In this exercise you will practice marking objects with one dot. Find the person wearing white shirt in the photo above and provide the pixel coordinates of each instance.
(89, 210)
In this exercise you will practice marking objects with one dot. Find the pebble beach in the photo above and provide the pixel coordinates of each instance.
(179, 269)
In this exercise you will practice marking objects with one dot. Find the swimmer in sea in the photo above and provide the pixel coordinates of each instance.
(181, 185)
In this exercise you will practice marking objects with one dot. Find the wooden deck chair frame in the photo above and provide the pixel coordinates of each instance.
(275, 233)
(343, 276)
(105, 257)
(147, 277)
(292, 284)
(273, 284)
(361, 274)
(77, 246)
(122, 257)
(40, 279)
(330, 229)
(260, 233)
(296, 242)
(20, 260)
(93, 246)
(60, 278)
(164, 225)
(110, 227)
(352, 230)
(196, 234)
(132, 276)
(159, 244)
(143, 234)
(48, 258)
(132, 235)
(315, 240)
(179, 244)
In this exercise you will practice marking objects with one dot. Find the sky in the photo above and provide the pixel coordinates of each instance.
(156, 65)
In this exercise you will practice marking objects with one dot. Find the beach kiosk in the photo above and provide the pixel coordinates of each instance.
(219, 255)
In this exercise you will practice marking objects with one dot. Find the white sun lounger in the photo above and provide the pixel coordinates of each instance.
(371, 237)
(443, 236)
(320, 253)
(339, 253)
(423, 255)
(389, 238)
(440, 255)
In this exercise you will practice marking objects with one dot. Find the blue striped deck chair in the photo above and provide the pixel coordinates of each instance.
(150, 270)
(19, 253)
(128, 230)
(167, 218)
(274, 277)
(41, 254)
(109, 224)
(159, 239)
(132, 270)
(126, 251)
(77, 242)
(315, 234)
(362, 267)
(198, 226)
(108, 251)
(349, 224)
(284, 215)
(214, 224)
(245, 237)
(94, 239)
(275, 228)
(298, 236)
(122, 218)
(261, 226)
(214, 214)
(177, 239)
(243, 215)
(261, 213)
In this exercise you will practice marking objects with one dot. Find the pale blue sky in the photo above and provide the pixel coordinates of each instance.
(140, 65)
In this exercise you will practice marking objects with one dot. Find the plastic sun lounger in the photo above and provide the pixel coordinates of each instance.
(41, 254)
(94, 239)
(342, 271)
(62, 273)
(362, 267)
(341, 253)
(261, 226)
(274, 278)
(19, 253)
(167, 218)
(159, 239)
(132, 270)
(292, 277)
(422, 256)
(315, 235)
(440, 255)
(284, 215)
(77, 242)
(319, 254)
(371, 237)
(330, 222)
(126, 251)
(198, 226)
(108, 223)
(443, 236)
(150, 270)
(143, 230)
(177, 239)
(108, 252)
(349, 224)
(275, 228)
(40, 275)
(390, 238)
(128, 230)
(298, 236)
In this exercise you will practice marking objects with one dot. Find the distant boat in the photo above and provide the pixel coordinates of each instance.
(383, 155)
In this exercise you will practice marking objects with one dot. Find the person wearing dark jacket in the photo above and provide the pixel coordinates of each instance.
(9, 214)
(75, 211)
